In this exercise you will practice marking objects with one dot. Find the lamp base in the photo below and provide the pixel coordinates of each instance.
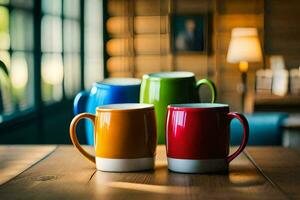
(244, 89)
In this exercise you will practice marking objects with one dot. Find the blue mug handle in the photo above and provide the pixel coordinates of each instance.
(80, 101)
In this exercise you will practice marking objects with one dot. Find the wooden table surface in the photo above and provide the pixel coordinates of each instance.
(62, 173)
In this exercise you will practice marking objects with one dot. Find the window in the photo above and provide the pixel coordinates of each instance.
(16, 51)
(47, 35)
(93, 34)
(71, 47)
(60, 49)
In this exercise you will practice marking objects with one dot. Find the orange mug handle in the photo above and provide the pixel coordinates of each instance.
(73, 134)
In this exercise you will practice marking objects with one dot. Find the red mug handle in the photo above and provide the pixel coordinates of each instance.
(245, 125)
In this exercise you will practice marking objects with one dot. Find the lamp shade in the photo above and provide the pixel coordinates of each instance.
(244, 46)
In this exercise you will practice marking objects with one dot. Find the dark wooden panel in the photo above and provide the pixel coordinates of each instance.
(241, 6)
(282, 30)
(229, 21)
(193, 7)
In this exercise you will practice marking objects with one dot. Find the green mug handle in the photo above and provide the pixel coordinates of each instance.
(211, 87)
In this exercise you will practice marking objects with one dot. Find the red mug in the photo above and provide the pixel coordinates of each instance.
(198, 137)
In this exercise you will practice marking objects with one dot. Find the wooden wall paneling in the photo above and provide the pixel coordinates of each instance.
(151, 44)
(149, 34)
(132, 14)
(284, 43)
(193, 6)
(119, 63)
(118, 7)
(215, 47)
(241, 7)
(197, 62)
(152, 63)
(229, 21)
(151, 7)
(192, 62)
(119, 47)
(211, 65)
(165, 46)
(120, 74)
(282, 30)
(231, 14)
(118, 26)
(150, 24)
(235, 106)
(230, 82)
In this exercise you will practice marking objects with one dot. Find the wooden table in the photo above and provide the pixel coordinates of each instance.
(60, 172)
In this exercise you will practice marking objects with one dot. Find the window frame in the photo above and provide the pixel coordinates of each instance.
(42, 109)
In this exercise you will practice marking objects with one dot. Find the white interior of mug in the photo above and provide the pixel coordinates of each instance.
(172, 74)
(125, 106)
(199, 105)
(121, 81)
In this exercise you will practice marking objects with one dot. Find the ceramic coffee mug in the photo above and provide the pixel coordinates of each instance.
(125, 137)
(162, 89)
(198, 137)
(108, 91)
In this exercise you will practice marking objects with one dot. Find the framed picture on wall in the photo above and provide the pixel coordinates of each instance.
(189, 33)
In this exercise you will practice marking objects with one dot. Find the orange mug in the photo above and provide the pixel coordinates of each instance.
(125, 137)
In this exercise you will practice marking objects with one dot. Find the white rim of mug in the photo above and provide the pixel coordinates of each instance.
(155, 76)
(125, 107)
(198, 106)
(120, 82)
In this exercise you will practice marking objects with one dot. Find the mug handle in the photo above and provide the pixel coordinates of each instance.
(211, 87)
(80, 101)
(73, 135)
(245, 125)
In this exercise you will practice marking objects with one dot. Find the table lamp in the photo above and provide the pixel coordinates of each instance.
(244, 47)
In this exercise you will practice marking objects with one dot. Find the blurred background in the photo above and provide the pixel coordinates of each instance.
(53, 49)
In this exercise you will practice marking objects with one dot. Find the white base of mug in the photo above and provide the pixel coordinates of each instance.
(124, 165)
(197, 166)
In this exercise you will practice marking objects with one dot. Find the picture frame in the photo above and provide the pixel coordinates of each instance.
(189, 33)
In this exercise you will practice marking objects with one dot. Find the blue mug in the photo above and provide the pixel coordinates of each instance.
(108, 91)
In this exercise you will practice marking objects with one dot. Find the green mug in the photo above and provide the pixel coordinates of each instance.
(164, 88)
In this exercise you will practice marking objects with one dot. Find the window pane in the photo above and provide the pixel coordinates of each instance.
(71, 36)
(52, 77)
(17, 89)
(52, 7)
(4, 28)
(22, 86)
(4, 57)
(22, 3)
(72, 8)
(6, 99)
(4, 1)
(51, 34)
(72, 74)
(93, 61)
(21, 30)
